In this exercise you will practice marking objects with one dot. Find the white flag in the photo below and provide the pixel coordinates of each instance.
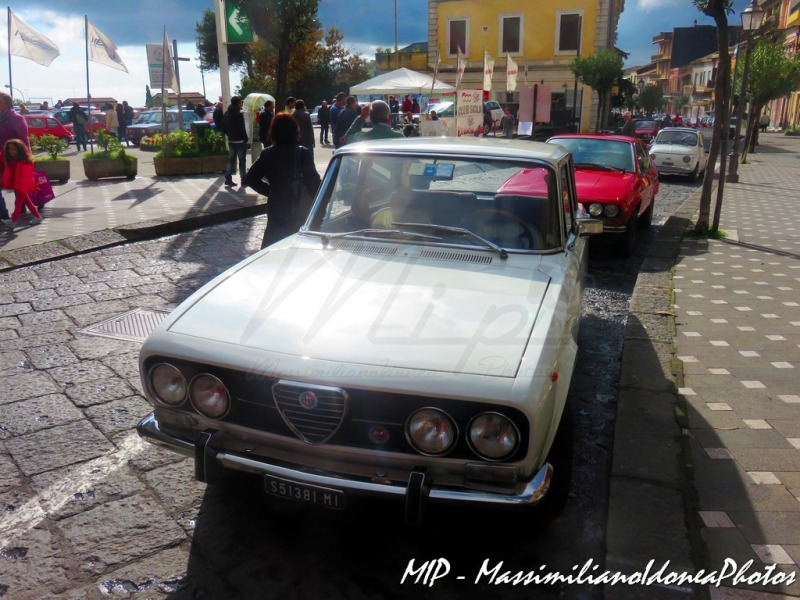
(102, 50)
(170, 80)
(488, 70)
(461, 64)
(511, 74)
(29, 43)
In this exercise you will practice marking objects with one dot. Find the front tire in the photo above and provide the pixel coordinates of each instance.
(647, 218)
(693, 175)
(628, 239)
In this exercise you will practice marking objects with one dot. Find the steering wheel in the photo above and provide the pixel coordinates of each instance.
(483, 221)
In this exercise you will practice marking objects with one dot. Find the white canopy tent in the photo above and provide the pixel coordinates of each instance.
(401, 81)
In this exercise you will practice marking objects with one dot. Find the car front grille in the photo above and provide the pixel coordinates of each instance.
(313, 412)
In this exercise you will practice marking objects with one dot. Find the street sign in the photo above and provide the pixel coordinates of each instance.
(238, 29)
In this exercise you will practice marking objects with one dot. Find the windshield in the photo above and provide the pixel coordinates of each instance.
(451, 200)
(149, 117)
(678, 138)
(598, 153)
(646, 125)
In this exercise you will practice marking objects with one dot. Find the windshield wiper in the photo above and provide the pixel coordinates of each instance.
(374, 231)
(459, 231)
(599, 166)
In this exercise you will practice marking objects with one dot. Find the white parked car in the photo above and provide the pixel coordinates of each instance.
(414, 340)
(679, 151)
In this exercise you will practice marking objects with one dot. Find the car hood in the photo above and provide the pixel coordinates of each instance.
(602, 185)
(390, 311)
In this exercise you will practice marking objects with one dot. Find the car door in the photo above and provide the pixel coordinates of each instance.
(648, 174)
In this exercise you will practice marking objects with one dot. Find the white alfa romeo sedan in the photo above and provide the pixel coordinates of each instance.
(414, 340)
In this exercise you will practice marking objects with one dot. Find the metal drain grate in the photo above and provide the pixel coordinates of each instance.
(134, 325)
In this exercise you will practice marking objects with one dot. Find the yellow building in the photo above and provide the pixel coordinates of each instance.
(541, 37)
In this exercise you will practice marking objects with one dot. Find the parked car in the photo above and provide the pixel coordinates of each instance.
(43, 124)
(97, 121)
(415, 339)
(315, 115)
(150, 123)
(679, 151)
(616, 181)
(647, 130)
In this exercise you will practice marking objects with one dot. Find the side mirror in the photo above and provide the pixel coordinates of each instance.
(588, 226)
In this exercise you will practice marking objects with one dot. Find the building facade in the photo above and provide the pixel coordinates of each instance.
(541, 38)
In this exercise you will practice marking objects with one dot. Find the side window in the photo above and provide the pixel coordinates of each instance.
(568, 32)
(52, 123)
(568, 199)
(642, 158)
(36, 123)
(457, 36)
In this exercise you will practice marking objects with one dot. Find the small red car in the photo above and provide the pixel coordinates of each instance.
(647, 130)
(42, 124)
(615, 181)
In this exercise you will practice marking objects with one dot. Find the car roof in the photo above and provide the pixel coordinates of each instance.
(683, 129)
(478, 147)
(600, 136)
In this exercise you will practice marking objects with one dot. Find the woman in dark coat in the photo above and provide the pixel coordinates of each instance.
(272, 175)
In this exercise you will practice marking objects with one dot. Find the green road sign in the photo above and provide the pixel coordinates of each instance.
(237, 26)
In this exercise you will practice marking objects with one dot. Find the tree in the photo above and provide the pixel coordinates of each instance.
(773, 74)
(718, 10)
(148, 97)
(284, 26)
(600, 72)
(650, 98)
(207, 48)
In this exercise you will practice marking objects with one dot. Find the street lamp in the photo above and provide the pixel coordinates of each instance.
(752, 18)
(20, 92)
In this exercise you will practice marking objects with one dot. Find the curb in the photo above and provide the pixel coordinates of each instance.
(651, 514)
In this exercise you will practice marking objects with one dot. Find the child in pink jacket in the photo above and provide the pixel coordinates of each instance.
(18, 176)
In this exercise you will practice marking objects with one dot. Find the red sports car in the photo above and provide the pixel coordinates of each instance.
(615, 180)
(647, 130)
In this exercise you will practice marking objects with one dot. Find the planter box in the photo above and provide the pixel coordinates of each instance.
(99, 168)
(214, 164)
(57, 170)
(792, 133)
(177, 166)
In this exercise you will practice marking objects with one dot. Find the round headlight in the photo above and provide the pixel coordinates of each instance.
(209, 396)
(595, 209)
(652, 156)
(431, 431)
(492, 436)
(686, 159)
(611, 210)
(168, 384)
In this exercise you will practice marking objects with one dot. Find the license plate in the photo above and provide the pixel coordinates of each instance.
(303, 492)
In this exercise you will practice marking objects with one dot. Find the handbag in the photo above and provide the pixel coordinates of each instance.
(302, 198)
(42, 192)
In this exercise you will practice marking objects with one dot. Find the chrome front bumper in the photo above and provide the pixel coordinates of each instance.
(418, 491)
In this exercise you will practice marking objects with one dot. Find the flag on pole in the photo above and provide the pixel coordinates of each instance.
(461, 64)
(102, 50)
(511, 74)
(435, 71)
(488, 70)
(169, 64)
(29, 43)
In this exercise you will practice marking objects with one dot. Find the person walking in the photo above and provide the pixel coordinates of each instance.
(628, 127)
(324, 120)
(508, 124)
(18, 176)
(336, 109)
(78, 118)
(290, 105)
(344, 120)
(12, 126)
(380, 115)
(128, 110)
(233, 125)
(112, 121)
(488, 122)
(305, 126)
(216, 117)
(279, 166)
(265, 122)
(122, 131)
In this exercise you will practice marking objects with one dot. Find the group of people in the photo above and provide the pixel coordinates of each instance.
(285, 169)
(16, 164)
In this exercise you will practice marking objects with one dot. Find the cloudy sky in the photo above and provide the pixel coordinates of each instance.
(131, 24)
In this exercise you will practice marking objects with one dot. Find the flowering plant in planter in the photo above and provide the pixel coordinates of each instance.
(178, 144)
(53, 164)
(111, 159)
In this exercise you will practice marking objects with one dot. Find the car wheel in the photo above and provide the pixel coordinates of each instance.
(693, 174)
(560, 457)
(628, 239)
(65, 140)
(647, 218)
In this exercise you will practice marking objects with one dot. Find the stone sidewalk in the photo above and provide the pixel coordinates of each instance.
(724, 328)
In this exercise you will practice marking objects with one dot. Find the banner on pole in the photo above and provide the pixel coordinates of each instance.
(102, 50)
(29, 43)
